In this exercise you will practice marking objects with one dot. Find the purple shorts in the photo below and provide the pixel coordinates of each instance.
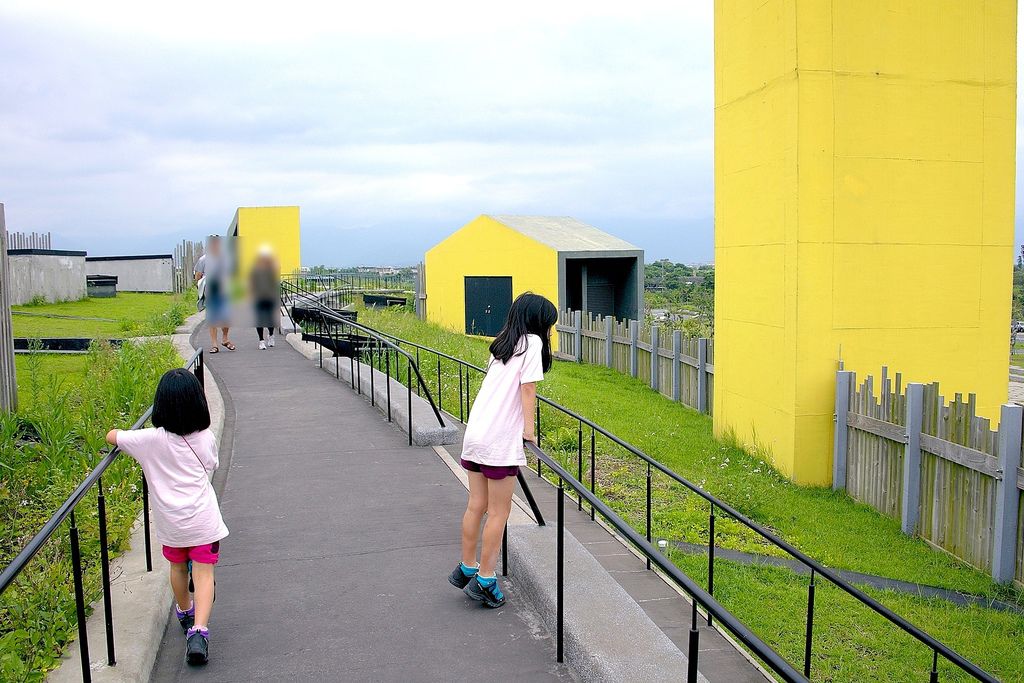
(490, 471)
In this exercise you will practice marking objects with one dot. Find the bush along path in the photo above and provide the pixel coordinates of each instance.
(46, 449)
(850, 642)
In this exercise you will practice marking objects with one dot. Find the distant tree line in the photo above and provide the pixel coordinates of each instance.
(684, 295)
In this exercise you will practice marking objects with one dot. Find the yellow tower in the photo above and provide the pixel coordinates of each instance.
(275, 226)
(864, 196)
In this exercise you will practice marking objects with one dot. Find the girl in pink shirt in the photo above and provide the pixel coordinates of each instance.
(178, 455)
(492, 449)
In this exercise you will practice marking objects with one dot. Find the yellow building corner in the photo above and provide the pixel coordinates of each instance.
(252, 227)
(864, 200)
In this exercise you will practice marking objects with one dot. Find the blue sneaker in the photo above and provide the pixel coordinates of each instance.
(486, 591)
(461, 575)
(186, 618)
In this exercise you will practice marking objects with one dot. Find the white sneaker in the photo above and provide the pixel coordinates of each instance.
(263, 346)
(271, 342)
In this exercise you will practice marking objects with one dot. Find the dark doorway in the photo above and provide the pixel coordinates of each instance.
(603, 286)
(487, 302)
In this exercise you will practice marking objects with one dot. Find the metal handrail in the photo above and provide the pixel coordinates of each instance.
(698, 595)
(67, 511)
(326, 313)
(816, 568)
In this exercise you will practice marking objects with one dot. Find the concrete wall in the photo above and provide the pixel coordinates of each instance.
(864, 207)
(53, 274)
(149, 273)
(486, 247)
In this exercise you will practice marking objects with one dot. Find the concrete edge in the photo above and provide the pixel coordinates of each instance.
(425, 429)
(607, 635)
(140, 600)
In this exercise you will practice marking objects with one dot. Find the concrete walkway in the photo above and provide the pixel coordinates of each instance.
(342, 537)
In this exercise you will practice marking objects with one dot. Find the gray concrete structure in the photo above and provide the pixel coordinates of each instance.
(144, 273)
(53, 274)
(597, 272)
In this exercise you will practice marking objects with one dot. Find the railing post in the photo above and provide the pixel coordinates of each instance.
(809, 630)
(702, 375)
(694, 650)
(199, 371)
(578, 334)
(146, 524)
(912, 460)
(76, 572)
(1004, 540)
(408, 392)
(711, 556)
(655, 357)
(677, 345)
(649, 530)
(634, 334)
(609, 340)
(561, 569)
(844, 378)
(108, 617)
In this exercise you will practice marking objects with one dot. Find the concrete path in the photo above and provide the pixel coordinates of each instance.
(342, 537)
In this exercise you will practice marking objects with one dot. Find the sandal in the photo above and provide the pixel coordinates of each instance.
(228, 345)
(214, 350)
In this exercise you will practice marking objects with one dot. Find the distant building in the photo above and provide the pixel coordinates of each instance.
(473, 275)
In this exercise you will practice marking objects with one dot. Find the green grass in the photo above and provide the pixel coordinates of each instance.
(829, 526)
(131, 314)
(66, 405)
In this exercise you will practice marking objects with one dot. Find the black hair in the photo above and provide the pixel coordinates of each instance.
(180, 404)
(530, 314)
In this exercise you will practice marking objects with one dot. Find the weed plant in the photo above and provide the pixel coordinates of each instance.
(46, 449)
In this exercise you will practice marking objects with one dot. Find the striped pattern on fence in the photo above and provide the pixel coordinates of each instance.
(675, 372)
(29, 240)
(959, 469)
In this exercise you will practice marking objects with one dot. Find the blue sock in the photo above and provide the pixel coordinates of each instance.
(485, 580)
(468, 571)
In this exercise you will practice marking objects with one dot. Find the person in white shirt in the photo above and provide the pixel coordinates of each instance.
(499, 424)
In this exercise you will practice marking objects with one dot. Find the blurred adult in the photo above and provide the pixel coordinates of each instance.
(212, 269)
(265, 289)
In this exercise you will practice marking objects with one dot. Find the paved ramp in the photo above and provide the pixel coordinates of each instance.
(342, 537)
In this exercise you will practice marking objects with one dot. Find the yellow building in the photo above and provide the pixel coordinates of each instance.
(474, 274)
(864, 200)
(277, 226)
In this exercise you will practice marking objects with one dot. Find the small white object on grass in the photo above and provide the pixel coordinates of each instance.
(662, 544)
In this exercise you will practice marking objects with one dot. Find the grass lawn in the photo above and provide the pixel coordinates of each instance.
(37, 372)
(128, 314)
(851, 642)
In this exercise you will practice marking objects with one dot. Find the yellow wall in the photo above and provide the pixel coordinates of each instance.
(486, 247)
(277, 226)
(864, 197)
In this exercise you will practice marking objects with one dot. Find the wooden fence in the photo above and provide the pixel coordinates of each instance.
(681, 368)
(31, 240)
(936, 466)
(8, 381)
(185, 256)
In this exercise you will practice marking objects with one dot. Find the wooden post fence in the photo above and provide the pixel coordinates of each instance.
(609, 341)
(634, 336)
(844, 379)
(677, 348)
(1004, 541)
(912, 460)
(8, 379)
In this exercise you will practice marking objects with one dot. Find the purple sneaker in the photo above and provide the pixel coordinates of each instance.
(187, 618)
(197, 646)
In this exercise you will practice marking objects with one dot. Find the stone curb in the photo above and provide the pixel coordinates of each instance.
(140, 600)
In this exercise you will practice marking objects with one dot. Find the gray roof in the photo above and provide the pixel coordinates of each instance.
(564, 233)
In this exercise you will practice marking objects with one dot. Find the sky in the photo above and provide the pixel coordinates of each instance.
(125, 128)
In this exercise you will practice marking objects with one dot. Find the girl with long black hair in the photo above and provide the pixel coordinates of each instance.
(499, 423)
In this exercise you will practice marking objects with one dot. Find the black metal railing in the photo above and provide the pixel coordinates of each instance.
(344, 336)
(376, 347)
(716, 506)
(67, 512)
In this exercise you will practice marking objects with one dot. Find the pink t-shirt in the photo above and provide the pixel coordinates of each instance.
(184, 505)
(494, 433)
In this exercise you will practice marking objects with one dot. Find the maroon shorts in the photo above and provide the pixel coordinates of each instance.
(203, 554)
(490, 471)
